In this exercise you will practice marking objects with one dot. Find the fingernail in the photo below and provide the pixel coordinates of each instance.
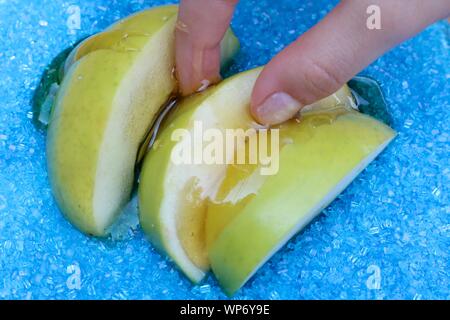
(277, 108)
(180, 25)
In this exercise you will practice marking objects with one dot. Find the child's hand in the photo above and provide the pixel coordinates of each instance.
(317, 64)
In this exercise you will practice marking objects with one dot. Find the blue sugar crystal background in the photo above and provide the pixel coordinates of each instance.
(386, 237)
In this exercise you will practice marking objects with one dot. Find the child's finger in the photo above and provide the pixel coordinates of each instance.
(332, 52)
(200, 28)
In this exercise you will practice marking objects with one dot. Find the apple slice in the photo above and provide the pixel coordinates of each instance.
(172, 196)
(122, 36)
(113, 87)
(253, 215)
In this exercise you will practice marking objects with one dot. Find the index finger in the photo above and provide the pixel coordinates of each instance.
(200, 28)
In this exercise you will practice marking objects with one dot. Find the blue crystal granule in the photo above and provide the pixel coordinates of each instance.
(386, 237)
